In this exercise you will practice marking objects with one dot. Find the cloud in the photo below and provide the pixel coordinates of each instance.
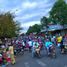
(33, 15)
(27, 12)
(17, 10)
(30, 23)
(29, 16)
(28, 4)
(26, 25)
(66, 1)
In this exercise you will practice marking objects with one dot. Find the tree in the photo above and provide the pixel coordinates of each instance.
(44, 21)
(59, 12)
(34, 29)
(8, 27)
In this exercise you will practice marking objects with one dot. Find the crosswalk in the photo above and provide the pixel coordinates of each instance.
(27, 61)
(41, 63)
(38, 62)
(65, 66)
(26, 64)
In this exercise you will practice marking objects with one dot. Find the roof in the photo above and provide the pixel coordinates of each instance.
(55, 27)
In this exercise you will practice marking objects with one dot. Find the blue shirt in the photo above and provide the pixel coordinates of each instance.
(47, 44)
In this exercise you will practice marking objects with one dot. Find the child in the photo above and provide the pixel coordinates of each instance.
(11, 49)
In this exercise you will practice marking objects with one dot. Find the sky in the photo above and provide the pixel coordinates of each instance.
(27, 12)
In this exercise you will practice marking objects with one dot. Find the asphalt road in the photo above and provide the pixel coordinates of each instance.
(26, 60)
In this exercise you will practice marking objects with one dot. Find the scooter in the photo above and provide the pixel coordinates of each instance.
(37, 52)
(52, 51)
(19, 51)
(65, 48)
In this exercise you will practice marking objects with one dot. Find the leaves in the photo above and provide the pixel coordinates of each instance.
(34, 29)
(45, 21)
(8, 26)
(59, 12)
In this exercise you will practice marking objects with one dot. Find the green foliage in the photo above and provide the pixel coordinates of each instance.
(34, 29)
(59, 12)
(8, 27)
(45, 21)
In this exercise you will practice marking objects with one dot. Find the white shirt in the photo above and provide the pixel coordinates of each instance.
(30, 43)
(23, 43)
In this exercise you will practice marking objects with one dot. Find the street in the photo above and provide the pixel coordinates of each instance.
(27, 61)
(27, 26)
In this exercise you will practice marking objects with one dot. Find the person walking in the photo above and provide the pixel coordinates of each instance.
(11, 49)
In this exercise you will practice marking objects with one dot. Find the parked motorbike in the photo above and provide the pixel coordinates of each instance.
(18, 51)
(65, 48)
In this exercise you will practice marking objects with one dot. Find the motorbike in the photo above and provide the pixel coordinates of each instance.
(37, 52)
(18, 51)
(65, 47)
(41, 45)
(52, 51)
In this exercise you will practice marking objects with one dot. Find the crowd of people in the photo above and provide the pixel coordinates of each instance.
(35, 43)
(6, 53)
